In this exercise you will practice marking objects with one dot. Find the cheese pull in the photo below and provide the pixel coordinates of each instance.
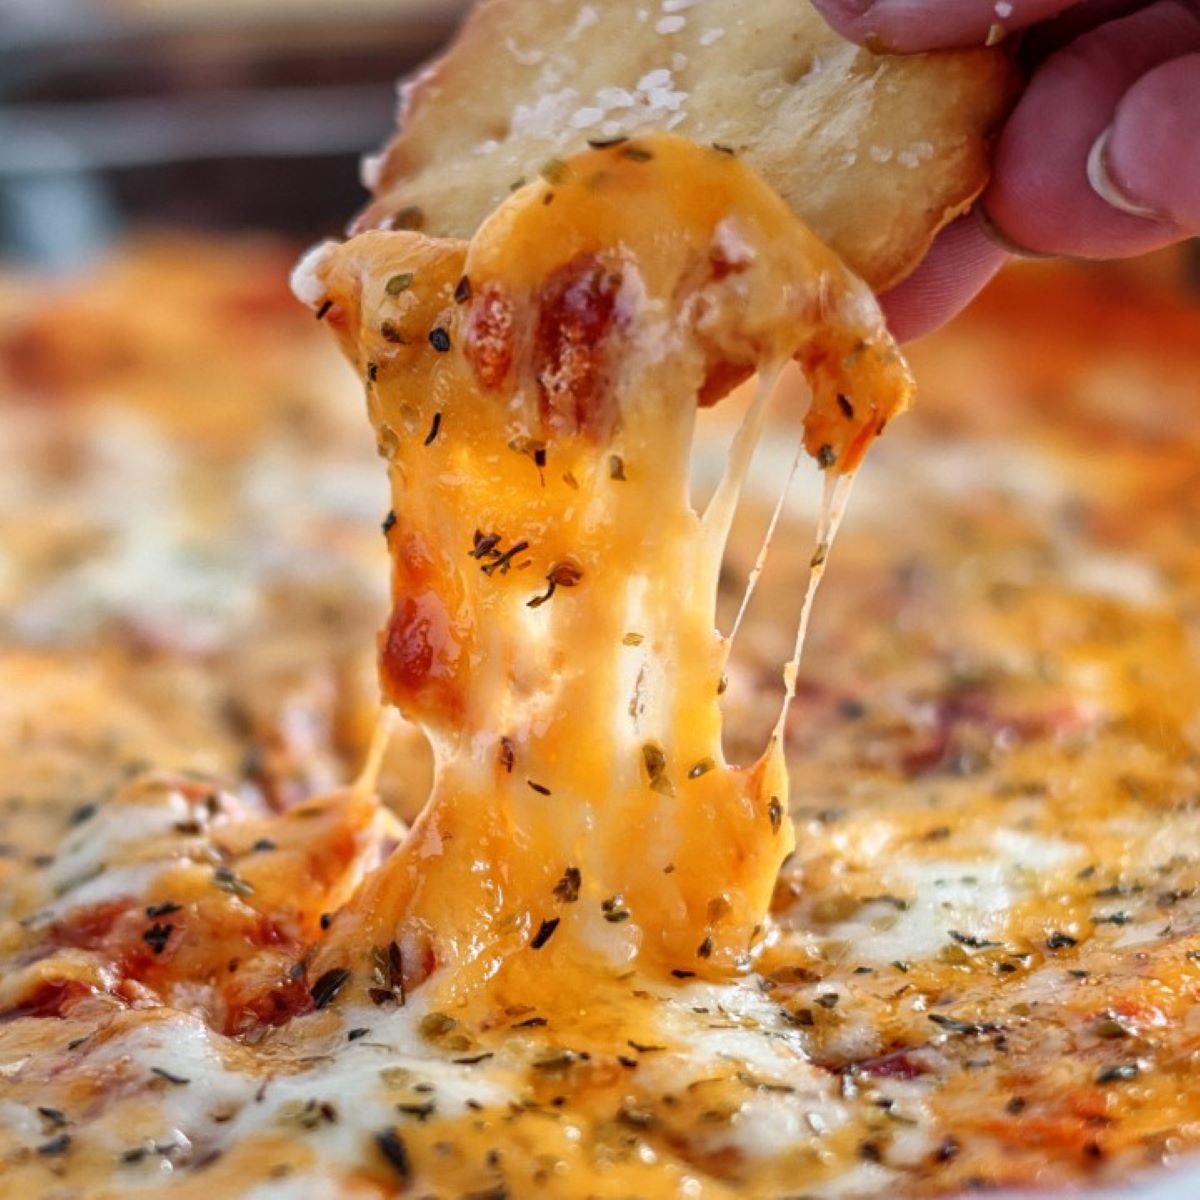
(552, 626)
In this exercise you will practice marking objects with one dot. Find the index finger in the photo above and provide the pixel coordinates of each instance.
(908, 26)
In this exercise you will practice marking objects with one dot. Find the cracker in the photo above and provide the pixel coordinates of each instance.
(875, 152)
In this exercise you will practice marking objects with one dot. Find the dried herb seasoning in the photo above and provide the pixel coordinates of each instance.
(507, 754)
(545, 933)
(228, 881)
(563, 574)
(567, 888)
(972, 941)
(775, 814)
(953, 1025)
(391, 1145)
(170, 1076)
(328, 985)
(157, 936)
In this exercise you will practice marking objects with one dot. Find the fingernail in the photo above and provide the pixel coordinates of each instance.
(1106, 187)
(997, 235)
(849, 8)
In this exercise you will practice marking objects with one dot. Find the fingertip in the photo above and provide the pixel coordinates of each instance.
(1041, 196)
(1151, 154)
(912, 26)
(958, 266)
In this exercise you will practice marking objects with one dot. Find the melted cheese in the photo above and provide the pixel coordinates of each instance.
(535, 395)
(985, 747)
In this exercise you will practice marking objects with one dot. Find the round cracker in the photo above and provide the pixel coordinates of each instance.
(875, 152)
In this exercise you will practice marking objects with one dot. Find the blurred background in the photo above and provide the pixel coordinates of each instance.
(212, 115)
(200, 114)
(190, 497)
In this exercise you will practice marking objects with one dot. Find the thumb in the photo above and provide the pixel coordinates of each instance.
(906, 26)
(1149, 159)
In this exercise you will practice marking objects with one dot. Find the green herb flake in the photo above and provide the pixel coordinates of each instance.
(775, 814)
(326, 988)
(157, 936)
(391, 1146)
(1121, 1073)
(567, 888)
(545, 933)
(436, 1025)
(235, 885)
(170, 1076)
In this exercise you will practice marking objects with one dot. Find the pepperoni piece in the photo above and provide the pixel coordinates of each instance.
(490, 332)
(51, 999)
(898, 1065)
(419, 656)
(576, 313)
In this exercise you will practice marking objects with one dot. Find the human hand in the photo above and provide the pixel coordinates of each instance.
(1099, 159)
